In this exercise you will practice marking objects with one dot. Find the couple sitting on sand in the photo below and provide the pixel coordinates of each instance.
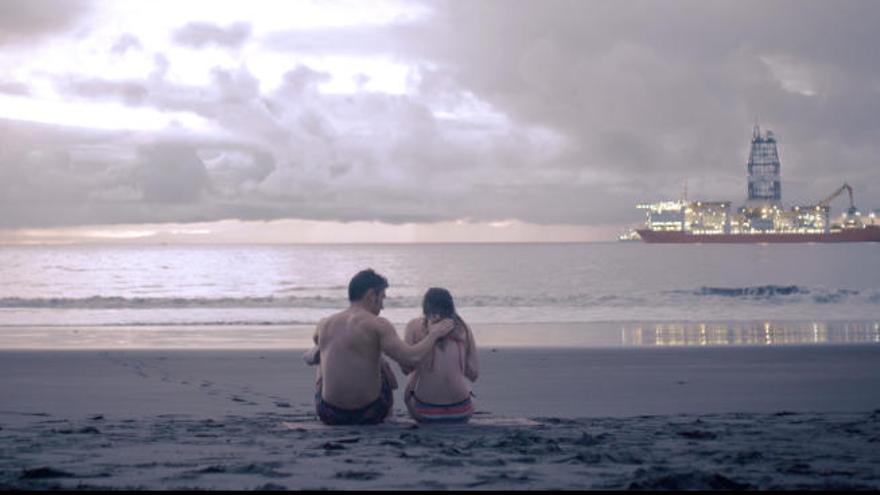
(355, 383)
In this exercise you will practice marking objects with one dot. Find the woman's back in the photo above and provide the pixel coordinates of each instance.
(438, 390)
(440, 378)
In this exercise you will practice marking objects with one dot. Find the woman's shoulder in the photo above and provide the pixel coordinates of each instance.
(416, 322)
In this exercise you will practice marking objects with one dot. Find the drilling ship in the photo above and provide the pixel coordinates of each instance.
(762, 219)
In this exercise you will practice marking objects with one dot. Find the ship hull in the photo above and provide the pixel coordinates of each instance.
(866, 234)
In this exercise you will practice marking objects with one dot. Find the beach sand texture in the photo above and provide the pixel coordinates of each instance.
(678, 418)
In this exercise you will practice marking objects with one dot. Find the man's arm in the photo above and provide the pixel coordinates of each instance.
(400, 351)
(318, 329)
(409, 338)
(313, 355)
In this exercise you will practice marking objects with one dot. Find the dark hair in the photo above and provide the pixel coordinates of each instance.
(438, 301)
(363, 281)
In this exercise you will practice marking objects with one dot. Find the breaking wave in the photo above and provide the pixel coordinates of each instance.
(771, 294)
(784, 293)
(760, 291)
(317, 302)
(116, 302)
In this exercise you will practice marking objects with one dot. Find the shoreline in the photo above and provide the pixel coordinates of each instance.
(631, 333)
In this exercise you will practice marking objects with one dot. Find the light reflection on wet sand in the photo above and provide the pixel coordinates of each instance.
(749, 333)
(522, 335)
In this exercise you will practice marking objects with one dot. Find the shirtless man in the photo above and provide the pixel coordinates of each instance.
(352, 386)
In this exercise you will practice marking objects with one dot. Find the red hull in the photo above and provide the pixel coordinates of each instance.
(868, 234)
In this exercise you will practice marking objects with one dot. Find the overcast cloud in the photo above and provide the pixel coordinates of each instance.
(553, 112)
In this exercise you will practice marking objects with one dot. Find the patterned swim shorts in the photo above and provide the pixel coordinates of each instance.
(371, 414)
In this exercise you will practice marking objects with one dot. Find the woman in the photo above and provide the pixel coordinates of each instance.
(437, 391)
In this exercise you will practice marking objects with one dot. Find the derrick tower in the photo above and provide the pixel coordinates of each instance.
(765, 185)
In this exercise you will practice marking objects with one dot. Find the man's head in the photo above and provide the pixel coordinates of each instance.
(368, 288)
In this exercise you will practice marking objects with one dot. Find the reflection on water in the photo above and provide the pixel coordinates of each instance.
(749, 333)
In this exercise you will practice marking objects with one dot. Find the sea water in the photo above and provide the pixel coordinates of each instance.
(644, 293)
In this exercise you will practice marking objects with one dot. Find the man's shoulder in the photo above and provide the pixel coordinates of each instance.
(326, 321)
(380, 323)
(359, 319)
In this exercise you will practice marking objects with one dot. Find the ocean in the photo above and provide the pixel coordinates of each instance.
(628, 293)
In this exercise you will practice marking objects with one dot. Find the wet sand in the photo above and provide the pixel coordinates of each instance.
(772, 417)
(524, 335)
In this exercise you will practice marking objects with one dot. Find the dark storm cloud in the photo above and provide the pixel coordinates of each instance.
(171, 173)
(48, 175)
(14, 88)
(199, 34)
(25, 21)
(129, 92)
(578, 110)
(659, 92)
(58, 176)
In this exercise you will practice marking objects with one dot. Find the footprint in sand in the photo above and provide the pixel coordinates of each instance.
(44, 473)
(236, 398)
(357, 475)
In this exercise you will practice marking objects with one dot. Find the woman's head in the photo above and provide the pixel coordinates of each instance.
(438, 303)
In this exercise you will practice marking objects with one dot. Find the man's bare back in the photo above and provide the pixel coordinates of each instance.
(350, 350)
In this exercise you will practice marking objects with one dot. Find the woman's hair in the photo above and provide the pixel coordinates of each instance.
(438, 302)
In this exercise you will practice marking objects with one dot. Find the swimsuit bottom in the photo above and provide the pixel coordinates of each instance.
(425, 412)
(371, 414)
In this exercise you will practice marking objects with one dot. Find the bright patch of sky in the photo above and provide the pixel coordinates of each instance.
(265, 15)
(792, 77)
(102, 116)
(142, 39)
(312, 232)
(154, 24)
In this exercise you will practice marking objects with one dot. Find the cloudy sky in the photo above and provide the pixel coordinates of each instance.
(298, 121)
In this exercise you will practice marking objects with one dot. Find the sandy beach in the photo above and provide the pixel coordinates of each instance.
(773, 417)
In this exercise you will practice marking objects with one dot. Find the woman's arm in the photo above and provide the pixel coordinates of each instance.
(471, 365)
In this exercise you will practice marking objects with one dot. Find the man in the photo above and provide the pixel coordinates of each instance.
(353, 385)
